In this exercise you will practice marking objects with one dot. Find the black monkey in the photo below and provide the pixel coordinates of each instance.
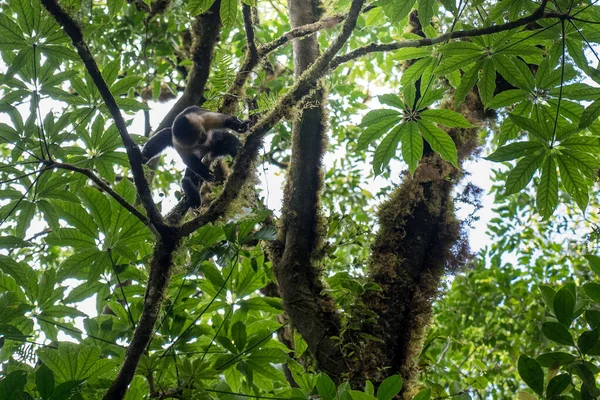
(197, 134)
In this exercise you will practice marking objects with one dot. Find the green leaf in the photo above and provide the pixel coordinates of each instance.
(411, 53)
(530, 126)
(44, 380)
(577, 91)
(114, 6)
(358, 395)
(547, 193)
(445, 117)
(424, 394)
(590, 114)
(487, 82)
(466, 83)
(412, 146)
(11, 37)
(449, 64)
(77, 217)
(414, 72)
(587, 340)
(389, 388)
(509, 70)
(564, 305)
(507, 98)
(522, 173)
(515, 150)
(531, 372)
(557, 333)
(228, 13)
(592, 289)
(69, 237)
(387, 148)
(398, 10)
(557, 385)
(573, 181)
(548, 296)
(326, 387)
(124, 84)
(587, 144)
(439, 141)
(391, 100)
(461, 48)
(594, 262)
(426, 9)
(592, 317)
(548, 360)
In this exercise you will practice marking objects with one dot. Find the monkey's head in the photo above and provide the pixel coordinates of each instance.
(236, 124)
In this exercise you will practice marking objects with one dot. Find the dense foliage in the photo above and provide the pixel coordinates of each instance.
(362, 285)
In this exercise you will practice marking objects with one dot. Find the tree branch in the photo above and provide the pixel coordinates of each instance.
(102, 185)
(380, 47)
(229, 104)
(73, 30)
(160, 271)
(312, 311)
(243, 164)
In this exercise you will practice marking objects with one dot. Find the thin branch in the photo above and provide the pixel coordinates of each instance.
(244, 163)
(102, 185)
(381, 47)
(251, 59)
(73, 30)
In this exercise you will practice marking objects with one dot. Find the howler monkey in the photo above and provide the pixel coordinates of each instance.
(197, 134)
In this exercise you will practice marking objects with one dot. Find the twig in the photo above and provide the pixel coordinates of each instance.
(73, 30)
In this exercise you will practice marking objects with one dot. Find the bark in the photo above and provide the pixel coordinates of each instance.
(312, 312)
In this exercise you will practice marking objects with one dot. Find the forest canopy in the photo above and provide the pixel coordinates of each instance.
(360, 284)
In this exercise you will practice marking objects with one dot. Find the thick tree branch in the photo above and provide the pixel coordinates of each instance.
(102, 185)
(206, 31)
(311, 310)
(160, 271)
(243, 164)
(381, 47)
(73, 30)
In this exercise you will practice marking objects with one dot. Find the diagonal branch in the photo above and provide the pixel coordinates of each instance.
(244, 163)
(382, 47)
(73, 30)
(102, 185)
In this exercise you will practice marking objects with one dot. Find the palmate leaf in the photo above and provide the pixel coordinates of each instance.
(507, 98)
(398, 10)
(377, 122)
(387, 148)
(391, 100)
(448, 118)
(547, 191)
(453, 63)
(466, 83)
(412, 146)
(426, 10)
(460, 48)
(529, 126)
(487, 81)
(439, 141)
(590, 114)
(522, 173)
(573, 181)
(515, 150)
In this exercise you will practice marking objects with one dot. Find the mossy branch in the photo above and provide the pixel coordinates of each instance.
(243, 164)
